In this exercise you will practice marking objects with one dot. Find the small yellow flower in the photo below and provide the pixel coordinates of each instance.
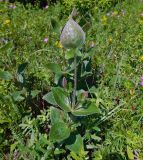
(104, 19)
(58, 44)
(141, 58)
(110, 40)
(132, 92)
(7, 22)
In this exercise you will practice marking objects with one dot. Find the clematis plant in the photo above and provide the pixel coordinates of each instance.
(73, 37)
(69, 104)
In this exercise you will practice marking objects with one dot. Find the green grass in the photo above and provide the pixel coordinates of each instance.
(117, 59)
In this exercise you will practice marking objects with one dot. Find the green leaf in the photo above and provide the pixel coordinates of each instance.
(96, 128)
(2, 121)
(79, 54)
(1, 131)
(55, 115)
(97, 138)
(98, 155)
(13, 146)
(22, 67)
(70, 54)
(59, 132)
(17, 96)
(59, 151)
(130, 153)
(5, 75)
(77, 146)
(34, 93)
(75, 156)
(57, 78)
(61, 99)
(54, 68)
(50, 98)
(89, 109)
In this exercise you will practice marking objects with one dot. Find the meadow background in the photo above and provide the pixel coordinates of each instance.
(29, 41)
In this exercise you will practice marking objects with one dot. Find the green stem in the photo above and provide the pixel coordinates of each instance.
(75, 82)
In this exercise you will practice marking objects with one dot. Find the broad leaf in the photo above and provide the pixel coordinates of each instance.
(54, 68)
(55, 115)
(88, 109)
(57, 78)
(61, 99)
(59, 132)
(77, 146)
(50, 98)
(5, 75)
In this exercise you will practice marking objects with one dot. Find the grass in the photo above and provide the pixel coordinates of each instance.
(117, 59)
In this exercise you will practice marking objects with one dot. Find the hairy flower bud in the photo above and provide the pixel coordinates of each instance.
(72, 35)
(64, 82)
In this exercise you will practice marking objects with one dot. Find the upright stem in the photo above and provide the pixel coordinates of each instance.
(75, 81)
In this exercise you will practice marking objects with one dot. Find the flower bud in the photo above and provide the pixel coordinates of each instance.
(64, 82)
(72, 35)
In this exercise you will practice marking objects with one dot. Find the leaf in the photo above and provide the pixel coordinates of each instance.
(1, 130)
(55, 115)
(97, 138)
(130, 153)
(86, 74)
(20, 78)
(61, 99)
(70, 54)
(34, 93)
(75, 156)
(98, 155)
(96, 128)
(50, 98)
(77, 146)
(13, 146)
(59, 131)
(79, 54)
(2, 121)
(57, 78)
(43, 139)
(5, 75)
(86, 110)
(54, 68)
(22, 67)
(59, 151)
(17, 96)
